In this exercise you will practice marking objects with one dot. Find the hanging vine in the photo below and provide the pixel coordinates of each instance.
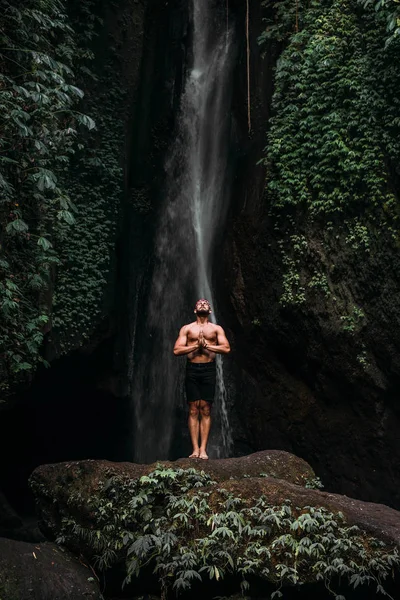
(40, 120)
(334, 143)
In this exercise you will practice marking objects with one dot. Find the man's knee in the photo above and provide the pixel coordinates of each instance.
(194, 409)
(205, 409)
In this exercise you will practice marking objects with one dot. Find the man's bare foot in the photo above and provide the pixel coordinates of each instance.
(195, 454)
(203, 454)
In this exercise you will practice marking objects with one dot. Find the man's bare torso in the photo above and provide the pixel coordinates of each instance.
(194, 332)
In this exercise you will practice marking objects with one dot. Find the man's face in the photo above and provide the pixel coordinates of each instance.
(202, 307)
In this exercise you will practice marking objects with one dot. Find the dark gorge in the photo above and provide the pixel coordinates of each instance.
(281, 120)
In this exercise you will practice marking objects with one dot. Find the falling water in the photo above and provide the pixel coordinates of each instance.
(192, 215)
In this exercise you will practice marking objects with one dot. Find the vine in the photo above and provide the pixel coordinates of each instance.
(334, 140)
(40, 124)
(61, 190)
(86, 251)
(391, 9)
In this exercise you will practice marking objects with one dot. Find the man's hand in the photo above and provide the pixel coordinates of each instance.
(202, 341)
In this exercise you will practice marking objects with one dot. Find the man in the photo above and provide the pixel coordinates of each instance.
(200, 341)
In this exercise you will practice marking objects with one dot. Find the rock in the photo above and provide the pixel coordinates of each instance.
(377, 520)
(53, 484)
(43, 572)
(65, 488)
(271, 463)
(301, 380)
(102, 510)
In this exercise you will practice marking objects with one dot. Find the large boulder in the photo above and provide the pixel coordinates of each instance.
(228, 518)
(43, 572)
(59, 486)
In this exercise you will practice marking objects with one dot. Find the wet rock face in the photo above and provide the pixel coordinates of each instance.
(43, 571)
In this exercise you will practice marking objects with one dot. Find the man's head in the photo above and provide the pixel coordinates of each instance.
(203, 307)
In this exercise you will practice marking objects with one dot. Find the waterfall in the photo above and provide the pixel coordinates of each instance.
(192, 215)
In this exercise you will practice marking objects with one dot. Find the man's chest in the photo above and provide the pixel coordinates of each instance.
(207, 331)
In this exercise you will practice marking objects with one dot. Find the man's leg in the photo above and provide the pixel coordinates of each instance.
(194, 427)
(205, 424)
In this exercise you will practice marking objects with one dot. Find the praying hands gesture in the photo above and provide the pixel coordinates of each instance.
(202, 340)
(193, 341)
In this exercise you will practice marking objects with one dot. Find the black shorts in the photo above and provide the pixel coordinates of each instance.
(200, 381)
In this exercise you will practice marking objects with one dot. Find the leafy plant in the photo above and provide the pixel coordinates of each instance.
(391, 9)
(188, 528)
(40, 122)
(333, 146)
(352, 322)
(96, 183)
(314, 483)
(61, 185)
(283, 18)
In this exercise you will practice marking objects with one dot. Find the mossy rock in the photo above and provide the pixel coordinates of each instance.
(55, 484)
(193, 524)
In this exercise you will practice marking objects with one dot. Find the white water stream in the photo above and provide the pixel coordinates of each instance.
(193, 213)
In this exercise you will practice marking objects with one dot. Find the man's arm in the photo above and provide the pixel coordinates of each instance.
(223, 346)
(181, 346)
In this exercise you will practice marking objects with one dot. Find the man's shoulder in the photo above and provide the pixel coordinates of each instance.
(189, 325)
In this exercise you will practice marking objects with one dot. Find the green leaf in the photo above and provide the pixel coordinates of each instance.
(18, 225)
(45, 179)
(87, 121)
(44, 243)
(76, 91)
(66, 216)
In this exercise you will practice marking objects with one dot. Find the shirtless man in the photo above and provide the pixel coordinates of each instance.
(200, 341)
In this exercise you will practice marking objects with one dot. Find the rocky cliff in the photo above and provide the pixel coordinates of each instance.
(318, 377)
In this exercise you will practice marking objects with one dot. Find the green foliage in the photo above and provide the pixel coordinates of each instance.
(391, 10)
(319, 281)
(334, 142)
(60, 191)
(284, 18)
(314, 483)
(352, 321)
(188, 528)
(362, 358)
(40, 125)
(95, 181)
(86, 251)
